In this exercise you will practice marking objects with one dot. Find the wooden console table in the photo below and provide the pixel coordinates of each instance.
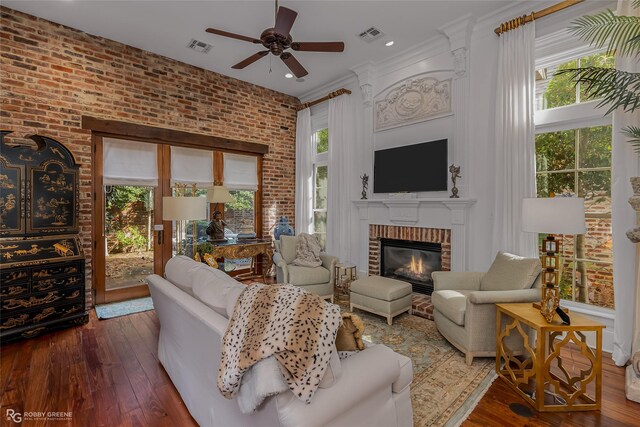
(531, 374)
(246, 249)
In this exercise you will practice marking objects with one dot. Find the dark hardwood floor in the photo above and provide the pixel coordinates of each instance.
(107, 373)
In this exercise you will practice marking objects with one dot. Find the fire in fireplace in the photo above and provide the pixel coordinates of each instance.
(410, 261)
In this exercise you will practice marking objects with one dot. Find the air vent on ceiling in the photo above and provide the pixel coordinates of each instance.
(199, 46)
(371, 34)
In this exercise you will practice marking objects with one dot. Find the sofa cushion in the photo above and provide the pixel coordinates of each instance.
(333, 372)
(451, 304)
(216, 291)
(288, 248)
(302, 276)
(381, 288)
(511, 272)
(180, 271)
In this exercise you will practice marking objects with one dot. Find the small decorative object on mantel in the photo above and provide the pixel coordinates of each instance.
(283, 228)
(365, 186)
(455, 174)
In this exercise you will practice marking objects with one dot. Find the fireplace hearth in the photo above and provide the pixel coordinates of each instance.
(411, 261)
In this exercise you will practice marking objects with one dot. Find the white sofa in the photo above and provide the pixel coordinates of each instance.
(372, 388)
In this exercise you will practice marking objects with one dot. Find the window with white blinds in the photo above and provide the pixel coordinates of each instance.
(240, 172)
(129, 163)
(191, 166)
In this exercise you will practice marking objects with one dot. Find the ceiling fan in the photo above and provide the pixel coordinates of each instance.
(277, 40)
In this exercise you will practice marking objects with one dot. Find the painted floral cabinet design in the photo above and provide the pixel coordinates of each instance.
(41, 258)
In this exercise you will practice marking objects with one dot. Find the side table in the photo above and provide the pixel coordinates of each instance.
(343, 282)
(531, 376)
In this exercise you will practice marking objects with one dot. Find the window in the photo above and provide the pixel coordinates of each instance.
(573, 157)
(559, 90)
(320, 142)
(240, 213)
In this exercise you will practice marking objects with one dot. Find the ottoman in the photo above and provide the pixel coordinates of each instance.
(382, 296)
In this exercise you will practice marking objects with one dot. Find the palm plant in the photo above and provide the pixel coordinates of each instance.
(616, 88)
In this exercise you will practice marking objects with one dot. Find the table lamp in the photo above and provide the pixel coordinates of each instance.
(219, 194)
(182, 209)
(555, 215)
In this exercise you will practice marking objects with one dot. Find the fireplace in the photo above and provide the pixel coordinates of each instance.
(411, 261)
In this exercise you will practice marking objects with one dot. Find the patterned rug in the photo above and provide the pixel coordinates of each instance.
(444, 389)
(117, 309)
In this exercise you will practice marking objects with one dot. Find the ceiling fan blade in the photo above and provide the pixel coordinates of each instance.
(296, 68)
(284, 20)
(250, 60)
(233, 36)
(318, 46)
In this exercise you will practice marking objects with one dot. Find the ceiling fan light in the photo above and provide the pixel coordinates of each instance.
(289, 75)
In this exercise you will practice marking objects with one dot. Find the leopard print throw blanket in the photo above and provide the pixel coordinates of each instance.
(296, 327)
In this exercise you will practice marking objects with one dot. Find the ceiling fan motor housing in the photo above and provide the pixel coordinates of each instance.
(276, 43)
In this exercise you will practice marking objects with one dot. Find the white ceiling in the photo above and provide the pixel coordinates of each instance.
(166, 27)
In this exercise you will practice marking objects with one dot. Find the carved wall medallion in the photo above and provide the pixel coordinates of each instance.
(412, 100)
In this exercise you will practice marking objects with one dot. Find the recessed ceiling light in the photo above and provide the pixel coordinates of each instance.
(389, 43)
(289, 75)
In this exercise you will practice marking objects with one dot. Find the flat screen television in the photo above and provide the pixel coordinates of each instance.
(411, 168)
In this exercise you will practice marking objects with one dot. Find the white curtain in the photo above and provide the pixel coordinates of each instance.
(191, 166)
(240, 172)
(129, 163)
(342, 135)
(304, 175)
(515, 145)
(626, 284)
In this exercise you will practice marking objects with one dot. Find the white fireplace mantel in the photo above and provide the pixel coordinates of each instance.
(405, 211)
(408, 212)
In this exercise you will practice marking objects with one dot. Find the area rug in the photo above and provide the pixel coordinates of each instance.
(117, 309)
(444, 389)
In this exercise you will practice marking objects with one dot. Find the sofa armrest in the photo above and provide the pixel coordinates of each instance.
(363, 374)
(456, 280)
(329, 262)
(514, 296)
(282, 271)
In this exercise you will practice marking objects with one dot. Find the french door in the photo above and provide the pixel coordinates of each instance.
(131, 241)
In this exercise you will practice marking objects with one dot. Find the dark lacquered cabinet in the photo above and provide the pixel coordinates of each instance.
(42, 266)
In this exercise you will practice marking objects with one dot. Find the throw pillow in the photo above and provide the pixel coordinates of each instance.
(307, 251)
(349, 336)
(511, 272)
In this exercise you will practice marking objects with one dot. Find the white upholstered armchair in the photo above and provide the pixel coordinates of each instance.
(465, 303)
(317, 280)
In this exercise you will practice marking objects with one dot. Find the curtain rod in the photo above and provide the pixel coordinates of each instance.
(324, 98)
(521, 20)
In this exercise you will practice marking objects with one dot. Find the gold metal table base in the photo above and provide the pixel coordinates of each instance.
(528, 368)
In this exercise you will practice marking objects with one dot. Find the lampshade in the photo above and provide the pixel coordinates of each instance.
(184, 208)
(555, 215)
(219, 194)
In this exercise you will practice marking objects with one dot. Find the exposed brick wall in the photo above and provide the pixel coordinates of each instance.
(52, 75)
(416, 234)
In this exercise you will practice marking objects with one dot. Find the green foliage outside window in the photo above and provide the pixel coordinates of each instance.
(124, 205)
(322, 141)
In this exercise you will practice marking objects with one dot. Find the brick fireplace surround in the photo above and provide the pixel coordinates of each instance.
(421, 303)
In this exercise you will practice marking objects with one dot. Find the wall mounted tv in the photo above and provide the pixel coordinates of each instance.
(411, 168)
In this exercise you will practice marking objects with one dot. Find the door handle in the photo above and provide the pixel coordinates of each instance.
(160, 237)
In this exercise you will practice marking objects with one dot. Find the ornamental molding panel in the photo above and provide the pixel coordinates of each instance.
(412, 100)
